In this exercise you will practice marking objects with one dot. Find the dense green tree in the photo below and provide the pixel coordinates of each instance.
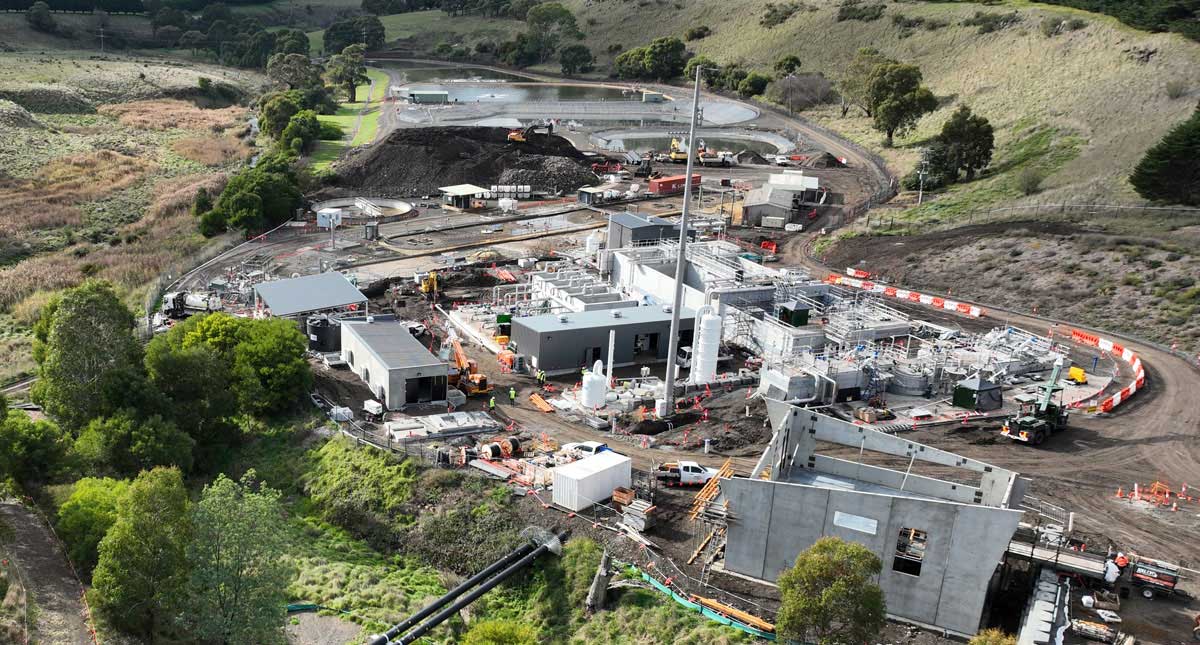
(786, 65)
(257, 50)
(86, 516)
(304, 127)
(129, 445)
(576, 59)
(753, 85)
(364, 30)
(246, 211)
(663, 58)
(269, 367)
(168, 36)
(169, 16)
(711, 76)
(239, 578)
(193, 40)
(277, 110)
(38, 16)
(291, 41)
(500, 632)
(829, 596)
(855, 83)
(968, 142)
(296, 71)
(550, 23)
(213, 12)
(898, 99)
(142, 563)
(519, 9)
(348, 70)
(30, 451)
(201, 203)
(1169, 172)
(89, 342)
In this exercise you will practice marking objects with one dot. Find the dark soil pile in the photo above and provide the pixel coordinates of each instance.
(747, 157)
(416, 161)
(823, 160)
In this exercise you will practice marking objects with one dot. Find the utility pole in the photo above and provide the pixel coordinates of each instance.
(680, 262)
(101, 34)
(921, 175)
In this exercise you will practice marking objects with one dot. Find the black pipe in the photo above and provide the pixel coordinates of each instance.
(442, 615)
(395, 631)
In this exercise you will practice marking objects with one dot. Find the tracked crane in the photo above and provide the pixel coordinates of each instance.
(468, 378)
(1039, 417)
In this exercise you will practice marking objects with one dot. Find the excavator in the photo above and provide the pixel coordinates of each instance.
(468, 378)
(1038, 418)
(679, 152)
(429, 285)
(521, 136)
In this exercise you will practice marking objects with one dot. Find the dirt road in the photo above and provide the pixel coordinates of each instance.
(53, 587)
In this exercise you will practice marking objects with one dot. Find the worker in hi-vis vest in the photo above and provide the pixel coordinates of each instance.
(492, 403)
(512, 395)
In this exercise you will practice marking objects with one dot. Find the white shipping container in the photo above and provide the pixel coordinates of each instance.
(591, 480)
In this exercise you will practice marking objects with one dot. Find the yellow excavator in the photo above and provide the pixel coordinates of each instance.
(429, 285)
(468, 378)
(521, 136)
(679, 152)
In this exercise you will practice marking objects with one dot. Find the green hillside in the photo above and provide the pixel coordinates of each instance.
(1082, 105)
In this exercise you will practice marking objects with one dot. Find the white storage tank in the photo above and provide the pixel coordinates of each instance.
(591, 480)
(708, 347)
(592, 243)
(595, 386)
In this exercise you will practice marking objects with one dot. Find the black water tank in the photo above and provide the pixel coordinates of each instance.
(324, 334)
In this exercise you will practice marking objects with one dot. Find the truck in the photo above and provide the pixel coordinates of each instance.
(683, 473)
(1040, 417)
(586, 448)
(181, 304)
(713, 158)
(684, 358)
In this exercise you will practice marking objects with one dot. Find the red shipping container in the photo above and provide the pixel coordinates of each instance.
(673, 184)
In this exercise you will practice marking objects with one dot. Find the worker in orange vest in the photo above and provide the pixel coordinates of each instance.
(1121, 561)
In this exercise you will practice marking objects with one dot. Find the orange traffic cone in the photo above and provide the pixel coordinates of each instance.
(1119, 493)
(1175, 507)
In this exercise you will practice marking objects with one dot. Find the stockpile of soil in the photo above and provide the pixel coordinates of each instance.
(416, 161)
(748, 157)
(823, 160)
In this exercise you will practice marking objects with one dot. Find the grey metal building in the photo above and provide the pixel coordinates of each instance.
(630, 229)
(939, 541)
(561, 343)
(395, 366)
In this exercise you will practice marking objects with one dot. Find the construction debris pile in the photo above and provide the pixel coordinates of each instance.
(417, 161)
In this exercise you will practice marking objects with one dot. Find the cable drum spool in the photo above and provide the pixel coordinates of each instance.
(708, 348)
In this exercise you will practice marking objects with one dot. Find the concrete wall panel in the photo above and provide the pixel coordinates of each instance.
(797, 517)
(750, 503)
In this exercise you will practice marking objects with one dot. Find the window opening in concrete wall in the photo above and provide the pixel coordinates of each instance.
(350, 358)
(910, 551)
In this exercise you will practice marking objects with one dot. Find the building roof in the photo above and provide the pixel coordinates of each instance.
(308, 293)
(599, 318)
(593, 464)
(780, 196)
(793, 180)
(392, 344)
(633, 220)
(462, 190)
(595, 190)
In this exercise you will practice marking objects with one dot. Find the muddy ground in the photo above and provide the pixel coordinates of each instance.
(1143, 287)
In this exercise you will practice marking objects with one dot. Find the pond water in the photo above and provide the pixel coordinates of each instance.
(662, 144)
(522, 92)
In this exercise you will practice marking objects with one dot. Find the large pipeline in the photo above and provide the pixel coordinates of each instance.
(410, 629)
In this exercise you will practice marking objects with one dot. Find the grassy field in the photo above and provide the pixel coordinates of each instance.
(1088, 86)
(424, 29)
(106, 161)
(347, 115)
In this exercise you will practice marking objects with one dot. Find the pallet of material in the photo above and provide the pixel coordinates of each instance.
(639, 515)
(540, 403)
(623, 496)
(1094, 631)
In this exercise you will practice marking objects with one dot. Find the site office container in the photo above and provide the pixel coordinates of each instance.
(673, 184)
(591, 480)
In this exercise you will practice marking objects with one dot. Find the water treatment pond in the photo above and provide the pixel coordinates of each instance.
(662, 144)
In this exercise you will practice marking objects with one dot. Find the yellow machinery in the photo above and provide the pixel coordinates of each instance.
(474, 382)
(1077, 376)
(429, 285)
(521, 136)
(679, 152)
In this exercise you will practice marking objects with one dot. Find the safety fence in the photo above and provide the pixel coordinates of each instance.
(1078, 336)
(1117, 350)
(937, 302)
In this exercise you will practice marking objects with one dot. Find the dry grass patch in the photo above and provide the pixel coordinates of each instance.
(166, 114)
(48, 199)
(164, 237)
(212, 151)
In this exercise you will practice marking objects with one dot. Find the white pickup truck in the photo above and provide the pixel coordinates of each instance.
(684, 473)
